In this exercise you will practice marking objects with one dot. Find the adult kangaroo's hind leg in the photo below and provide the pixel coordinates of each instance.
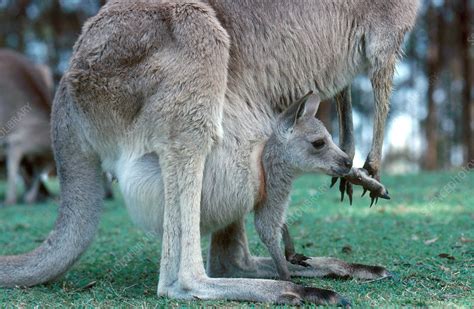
(81, 197)
(190, 124)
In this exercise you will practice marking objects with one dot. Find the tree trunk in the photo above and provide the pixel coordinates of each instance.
(467, 100)
(430, 161)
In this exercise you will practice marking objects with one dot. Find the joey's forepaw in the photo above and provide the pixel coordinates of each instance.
(298, 259)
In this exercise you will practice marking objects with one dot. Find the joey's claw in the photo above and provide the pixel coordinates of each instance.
(333, 182)
(299, 259)
(363, 193)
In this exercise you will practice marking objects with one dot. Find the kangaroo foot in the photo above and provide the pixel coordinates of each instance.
(315, 296)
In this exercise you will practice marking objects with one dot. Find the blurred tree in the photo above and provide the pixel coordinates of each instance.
(44, 30)
(465, 17)
(434, 20)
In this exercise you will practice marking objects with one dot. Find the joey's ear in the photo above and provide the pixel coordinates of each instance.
(312, 105)
(307, 105)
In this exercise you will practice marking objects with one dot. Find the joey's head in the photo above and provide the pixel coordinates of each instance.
(301, 141)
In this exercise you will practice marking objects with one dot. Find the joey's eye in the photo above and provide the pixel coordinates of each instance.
(318, 144)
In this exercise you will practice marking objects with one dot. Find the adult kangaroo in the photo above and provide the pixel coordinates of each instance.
(169, 89)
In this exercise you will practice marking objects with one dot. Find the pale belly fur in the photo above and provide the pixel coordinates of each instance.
(228, 194)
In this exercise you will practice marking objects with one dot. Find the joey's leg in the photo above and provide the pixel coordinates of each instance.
(290, 253)
(382, 86)
(269, 221)
(346, 136)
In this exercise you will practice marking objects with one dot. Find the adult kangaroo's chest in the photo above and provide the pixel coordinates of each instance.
(281, 49)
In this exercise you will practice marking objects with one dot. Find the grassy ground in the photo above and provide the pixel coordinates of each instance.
(424, 234)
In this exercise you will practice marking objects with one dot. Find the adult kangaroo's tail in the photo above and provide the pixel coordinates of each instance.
(81, 198)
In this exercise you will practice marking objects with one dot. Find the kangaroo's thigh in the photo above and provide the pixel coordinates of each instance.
(189, 111)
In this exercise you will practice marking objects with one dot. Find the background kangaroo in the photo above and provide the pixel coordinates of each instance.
(188, 82)
(25, 107)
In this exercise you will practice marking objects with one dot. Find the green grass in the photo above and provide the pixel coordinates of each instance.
(406, 234)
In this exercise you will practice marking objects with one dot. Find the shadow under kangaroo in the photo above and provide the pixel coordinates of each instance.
(182, 90)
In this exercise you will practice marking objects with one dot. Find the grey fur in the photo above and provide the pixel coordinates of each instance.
(25, 98)
(300, 144)
(169, 96)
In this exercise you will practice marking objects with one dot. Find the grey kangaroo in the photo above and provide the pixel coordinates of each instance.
(25, 107)
(168, 91)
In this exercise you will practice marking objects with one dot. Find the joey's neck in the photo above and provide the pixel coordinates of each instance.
(277, 175)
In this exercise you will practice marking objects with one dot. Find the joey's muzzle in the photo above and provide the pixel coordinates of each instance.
(344, 165)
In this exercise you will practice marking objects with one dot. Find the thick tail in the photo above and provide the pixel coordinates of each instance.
(81, 198)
